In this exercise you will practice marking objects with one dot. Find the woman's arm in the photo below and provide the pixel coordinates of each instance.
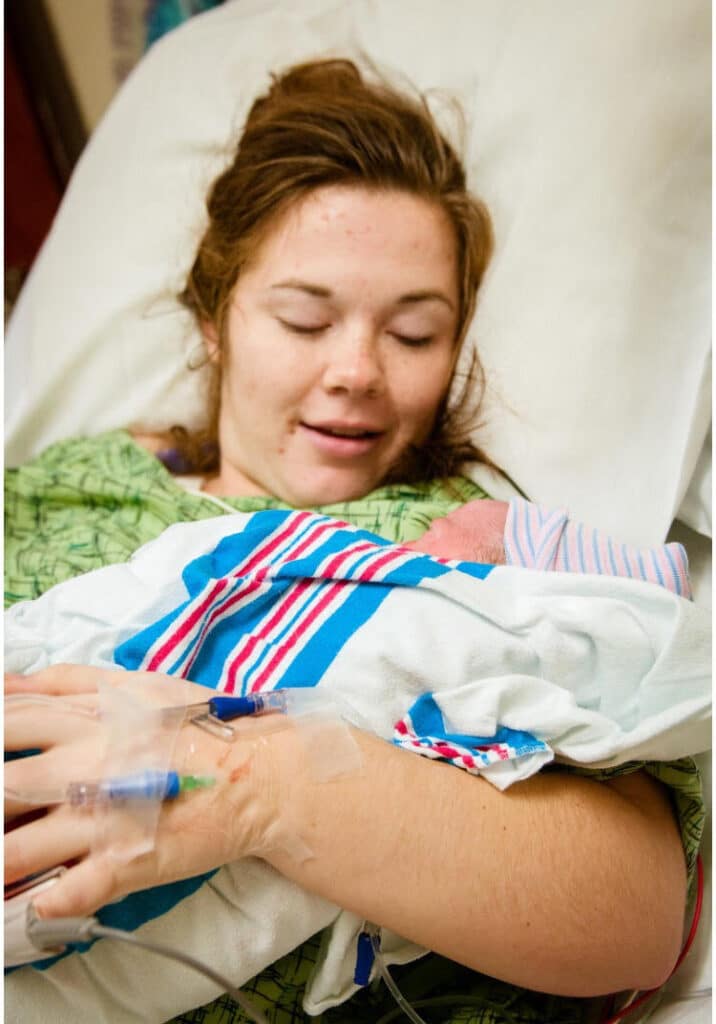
(559, 884)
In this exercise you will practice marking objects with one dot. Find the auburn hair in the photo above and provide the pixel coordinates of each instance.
(324, 123)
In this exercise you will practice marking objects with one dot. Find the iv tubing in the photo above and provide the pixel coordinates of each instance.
(397, 995)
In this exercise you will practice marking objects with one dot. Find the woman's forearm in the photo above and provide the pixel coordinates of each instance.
(559, 884)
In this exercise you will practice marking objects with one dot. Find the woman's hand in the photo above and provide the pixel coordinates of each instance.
(198, 831)
(585, 880)
(472, 533)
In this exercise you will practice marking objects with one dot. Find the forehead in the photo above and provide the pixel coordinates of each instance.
(344, 233)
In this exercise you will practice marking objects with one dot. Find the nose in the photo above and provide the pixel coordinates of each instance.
(354, 365)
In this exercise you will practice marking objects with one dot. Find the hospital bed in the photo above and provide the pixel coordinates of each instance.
(586, 133)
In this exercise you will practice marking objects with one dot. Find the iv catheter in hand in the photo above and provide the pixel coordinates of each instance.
(214, 714)
(141, 786)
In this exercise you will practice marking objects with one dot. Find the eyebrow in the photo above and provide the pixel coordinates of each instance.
(325, 293)
(304, 286)
(425, 296)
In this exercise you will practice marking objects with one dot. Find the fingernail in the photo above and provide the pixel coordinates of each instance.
(38, 907)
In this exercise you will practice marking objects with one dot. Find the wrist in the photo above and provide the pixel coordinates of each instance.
(255, 774)
(304, 765)
(241, 808)
(274, 774)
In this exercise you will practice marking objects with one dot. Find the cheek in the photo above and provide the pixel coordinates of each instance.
(263, 375)
(422, 388)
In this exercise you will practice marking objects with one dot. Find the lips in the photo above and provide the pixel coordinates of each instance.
(344, 429)
(343, 440)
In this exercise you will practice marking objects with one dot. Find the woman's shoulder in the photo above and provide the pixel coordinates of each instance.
(83, 503)
(111, 464)
(68, 453)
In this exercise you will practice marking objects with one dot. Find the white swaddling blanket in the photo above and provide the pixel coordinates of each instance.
(597, 670)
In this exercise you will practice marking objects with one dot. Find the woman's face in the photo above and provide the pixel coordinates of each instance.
(339, 346)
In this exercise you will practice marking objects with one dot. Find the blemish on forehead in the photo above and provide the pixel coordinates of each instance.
(332, 203)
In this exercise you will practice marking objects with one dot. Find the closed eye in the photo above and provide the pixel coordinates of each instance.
(301, 328)
(413, 342)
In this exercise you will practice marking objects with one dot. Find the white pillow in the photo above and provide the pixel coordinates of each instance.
(589, 140)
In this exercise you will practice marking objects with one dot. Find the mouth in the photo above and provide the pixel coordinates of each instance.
(343, 429)
(343, 439)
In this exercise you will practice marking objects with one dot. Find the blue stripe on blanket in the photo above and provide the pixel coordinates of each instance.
(423, 730)
(427, 719)
(274, 604)
(478, 570)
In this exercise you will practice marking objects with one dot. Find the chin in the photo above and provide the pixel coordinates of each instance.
(329, 491)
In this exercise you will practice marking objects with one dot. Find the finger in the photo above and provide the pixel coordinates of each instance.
(16, 804)
(41, 779)
(58, 680)
(32, 721)
(56, 838)
(23, 778)
(82, 681)
(82, 890)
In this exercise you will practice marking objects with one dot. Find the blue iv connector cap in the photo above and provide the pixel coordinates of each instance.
(150, 785)
(226, 708)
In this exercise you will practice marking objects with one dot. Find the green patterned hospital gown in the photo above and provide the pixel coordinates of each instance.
(92, 502)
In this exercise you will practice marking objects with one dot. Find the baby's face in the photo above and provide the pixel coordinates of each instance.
(340, 346)
(473, 533)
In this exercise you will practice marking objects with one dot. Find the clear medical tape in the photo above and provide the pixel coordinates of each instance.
(133, 739)
(329, 746)
(138, 740)
(322, 721)
(326, 746)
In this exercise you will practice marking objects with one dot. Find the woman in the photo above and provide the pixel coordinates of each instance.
(334, 286)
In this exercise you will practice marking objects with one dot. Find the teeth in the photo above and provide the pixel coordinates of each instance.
(346, 433)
